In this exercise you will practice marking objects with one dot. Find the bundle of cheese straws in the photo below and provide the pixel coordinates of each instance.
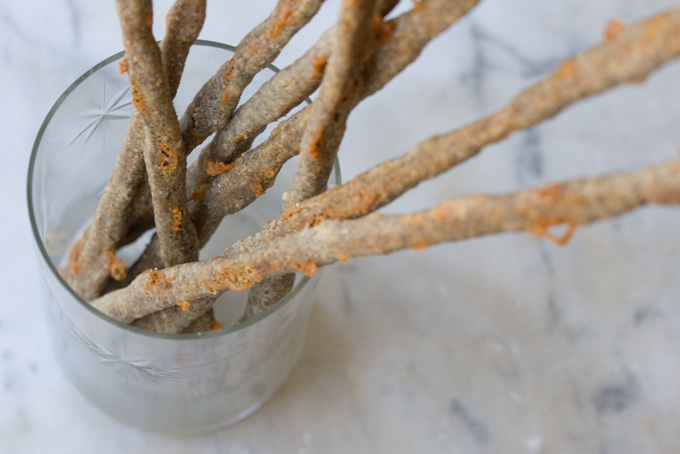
(169, 290)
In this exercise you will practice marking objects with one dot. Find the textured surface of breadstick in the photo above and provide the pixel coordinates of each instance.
(574, 202)
(284, 91)
(328, 116)
(398, 44)
(214, 104)
(174, 320)
(111, 221)
(183, 24)
(164, 148)
(249, 177)
(263, 295)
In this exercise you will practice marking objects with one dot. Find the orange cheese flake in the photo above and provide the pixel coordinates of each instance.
(156, 282)
(420, 245)
(215, 168)
(177, 220)
(217, 325)
(345, 257)
(123, 66)
(541, 230)
(319, 66)
(551, 193)
(255, 48)
(383, 30)
(419, 5)
(280, 22)
(138, 100)
(198, 195)
(116, 266)
(239, 138)
(567, 69)
(228, 73)
(184, 305)
(315, 146)
(239, 279)
(74, 256)
(614, 29)
(308, 268)
(169, 158)
(259, 189)
(75, 268)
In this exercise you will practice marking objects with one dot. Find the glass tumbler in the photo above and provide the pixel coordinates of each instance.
(181, 384)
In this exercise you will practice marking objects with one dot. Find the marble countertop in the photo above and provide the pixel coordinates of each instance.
(502, 344)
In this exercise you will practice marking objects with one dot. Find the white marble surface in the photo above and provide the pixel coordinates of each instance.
(504, 344)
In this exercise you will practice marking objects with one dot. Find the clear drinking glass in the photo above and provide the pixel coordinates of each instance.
(182, 384)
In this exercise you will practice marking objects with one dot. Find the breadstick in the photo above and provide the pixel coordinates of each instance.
(574, 202)
(328, 115)
(164, 154)
(324, 130)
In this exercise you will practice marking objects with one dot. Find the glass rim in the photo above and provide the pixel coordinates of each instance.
(45, 256)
